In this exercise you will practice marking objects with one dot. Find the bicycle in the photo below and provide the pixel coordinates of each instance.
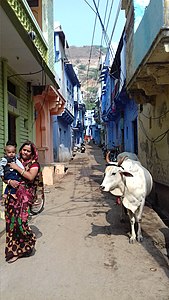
(38, 203)
(38, 206)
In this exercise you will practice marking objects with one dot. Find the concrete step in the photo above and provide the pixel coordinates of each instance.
(2, 212)
(53, 172)
(2, 226)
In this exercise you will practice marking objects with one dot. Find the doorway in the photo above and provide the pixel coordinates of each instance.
(11, 127)
(135, 136)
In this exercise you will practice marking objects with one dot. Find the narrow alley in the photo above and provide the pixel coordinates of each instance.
(82, 249)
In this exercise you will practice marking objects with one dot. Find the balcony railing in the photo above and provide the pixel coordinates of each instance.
(152, 34)
(28, 21)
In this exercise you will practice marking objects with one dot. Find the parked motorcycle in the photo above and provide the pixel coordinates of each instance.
(79, 148)
(82, 148)
(111, 153)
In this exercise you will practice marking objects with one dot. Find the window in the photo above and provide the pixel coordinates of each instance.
(13, 92)
(11, 127)
(11, 87)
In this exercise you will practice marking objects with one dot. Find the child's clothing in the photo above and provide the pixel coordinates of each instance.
(7, 173)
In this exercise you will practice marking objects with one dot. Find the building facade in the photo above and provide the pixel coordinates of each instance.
(118, 112)
(27, 81)
(147, 81)
(64, 124)
(79, 113)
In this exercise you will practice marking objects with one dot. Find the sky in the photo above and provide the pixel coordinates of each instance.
(77, 20)
(139, 8)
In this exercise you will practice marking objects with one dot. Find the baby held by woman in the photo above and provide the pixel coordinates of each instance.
(7, 174)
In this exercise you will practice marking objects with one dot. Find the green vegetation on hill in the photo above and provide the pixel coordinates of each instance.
(87, 62)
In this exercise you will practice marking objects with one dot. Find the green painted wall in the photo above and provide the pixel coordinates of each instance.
(24, 112)
(48, 30)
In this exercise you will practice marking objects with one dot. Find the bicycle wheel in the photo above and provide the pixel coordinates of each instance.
(37, 207)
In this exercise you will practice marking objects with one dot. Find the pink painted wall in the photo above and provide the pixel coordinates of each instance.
(49, 103)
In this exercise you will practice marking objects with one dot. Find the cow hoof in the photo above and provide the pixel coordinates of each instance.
(140, 239)
(132, 240)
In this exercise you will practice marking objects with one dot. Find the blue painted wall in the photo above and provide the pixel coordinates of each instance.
(61, 135)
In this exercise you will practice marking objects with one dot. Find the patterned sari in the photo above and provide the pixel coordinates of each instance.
(20, 240)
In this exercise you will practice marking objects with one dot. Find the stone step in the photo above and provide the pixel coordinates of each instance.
(2, 227)
(53, 172)
(2, 212)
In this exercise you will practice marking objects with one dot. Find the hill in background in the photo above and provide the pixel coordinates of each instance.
(87, 61)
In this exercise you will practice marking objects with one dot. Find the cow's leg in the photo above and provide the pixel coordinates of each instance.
(132, 222)
(138, 220)
(123, 213)
(139, 233)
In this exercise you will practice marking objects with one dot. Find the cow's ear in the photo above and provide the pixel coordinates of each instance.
(127, 174)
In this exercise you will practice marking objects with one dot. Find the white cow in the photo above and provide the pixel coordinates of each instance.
(129, 180)
(130, 155)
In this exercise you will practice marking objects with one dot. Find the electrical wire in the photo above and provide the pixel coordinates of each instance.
(102, 25)
(106, 36)
(109, 14)
(90, 6)
(92, 45)
(93, 33)
(117, 15)
(156, 118)
(158, 139)
(25, 74)
(104, 31)
(100, 51)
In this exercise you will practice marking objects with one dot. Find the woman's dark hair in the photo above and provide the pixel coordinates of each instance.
(28, 143)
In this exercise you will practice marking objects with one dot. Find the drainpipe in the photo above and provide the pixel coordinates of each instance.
(5, 94)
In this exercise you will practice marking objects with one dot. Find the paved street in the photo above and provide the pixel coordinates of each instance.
(82, 249)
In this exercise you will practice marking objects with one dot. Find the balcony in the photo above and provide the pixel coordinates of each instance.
(67, 116)
(22, 42)
(148, 52)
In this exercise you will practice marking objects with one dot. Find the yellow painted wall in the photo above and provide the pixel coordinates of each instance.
(1, 112)
(153, 129)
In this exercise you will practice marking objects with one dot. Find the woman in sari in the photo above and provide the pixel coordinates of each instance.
(20, 240)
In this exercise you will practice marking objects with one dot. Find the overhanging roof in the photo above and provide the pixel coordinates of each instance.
(20, 52)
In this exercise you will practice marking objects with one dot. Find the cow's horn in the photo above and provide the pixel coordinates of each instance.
(121, 160)
(107, 157)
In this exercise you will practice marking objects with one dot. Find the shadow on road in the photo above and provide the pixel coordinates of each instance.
(158, 250)
(36, 231)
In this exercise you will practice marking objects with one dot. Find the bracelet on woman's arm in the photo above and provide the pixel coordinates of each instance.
(23, 172)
